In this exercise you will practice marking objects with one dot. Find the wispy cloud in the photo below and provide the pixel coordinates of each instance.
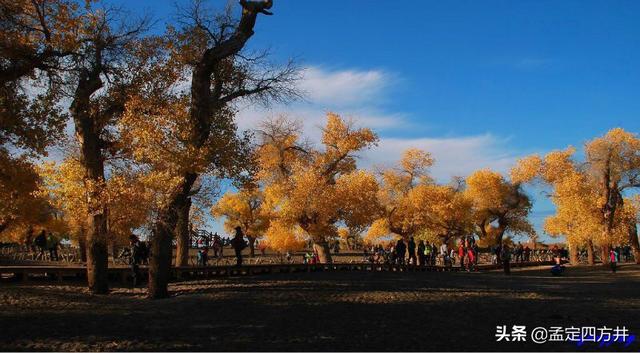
(356, 94)
(346, 88)
(454, 156)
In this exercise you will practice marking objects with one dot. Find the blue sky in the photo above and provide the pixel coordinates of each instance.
(479, 83)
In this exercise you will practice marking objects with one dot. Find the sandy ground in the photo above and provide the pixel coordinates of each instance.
(343, 311)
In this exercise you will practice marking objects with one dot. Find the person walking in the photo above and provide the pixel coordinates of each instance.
(434, 253)
(52, 246)
(401, 250)
(412, 251)
(461, 252)
(135, 257)
(444, 250)
(427, 254)
(614, 256)
(452, 256)
(471, 259)
(238, 243)
(505, 255)
(421, 248)
(41, 243)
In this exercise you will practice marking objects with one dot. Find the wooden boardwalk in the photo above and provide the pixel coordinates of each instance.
(123, 274)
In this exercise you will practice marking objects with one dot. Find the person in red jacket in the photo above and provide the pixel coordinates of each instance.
(461, 252)
(471, 257)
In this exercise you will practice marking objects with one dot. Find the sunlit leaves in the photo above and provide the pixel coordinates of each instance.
(314, 189)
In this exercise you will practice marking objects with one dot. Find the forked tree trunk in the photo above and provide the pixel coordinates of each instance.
(590, 253)
(182, 235)
(88, 135)
(324, 253)
(161, 249)
(204, 104)
(633, 241)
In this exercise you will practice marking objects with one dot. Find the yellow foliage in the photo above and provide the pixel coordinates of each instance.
(129, 197)
(497, 200)
(282, 237)
(589, 205)
(244, 209)
(21, 204)
(313, 189)
(378, 229)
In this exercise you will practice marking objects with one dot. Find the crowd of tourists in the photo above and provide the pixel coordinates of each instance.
(217, 244)
(42, 245)
(465, 254)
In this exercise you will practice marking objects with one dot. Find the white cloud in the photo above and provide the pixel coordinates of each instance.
(344, 88)
(454, 156)
(353, 94)
(357, 95)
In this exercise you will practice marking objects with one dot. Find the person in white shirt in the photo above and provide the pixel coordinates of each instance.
(443, 249)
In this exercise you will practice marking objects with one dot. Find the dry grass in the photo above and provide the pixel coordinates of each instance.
(321, 311)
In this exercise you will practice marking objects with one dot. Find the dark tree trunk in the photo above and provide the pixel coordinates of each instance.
(204, 104)
(590, 254)
(182, 235)
(161, 249)
(161, 253)
(97, 255)
(324, 253)
(633, 241)
(88, 135)
(499, 235)
(252, 246)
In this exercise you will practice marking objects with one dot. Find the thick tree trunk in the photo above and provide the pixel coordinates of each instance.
(161, 249)
(590, 253)
(499, 236)
(97, 254)
(324, 253)
(604, 255)
(161, 253)
(182, 235)
(88, 135)
(573, 254)
(252, 246)
(633, 241)
(204, 105)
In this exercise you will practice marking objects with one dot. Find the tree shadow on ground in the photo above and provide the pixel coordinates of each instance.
(340, 311)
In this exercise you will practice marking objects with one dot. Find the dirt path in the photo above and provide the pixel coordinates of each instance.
(323, 311)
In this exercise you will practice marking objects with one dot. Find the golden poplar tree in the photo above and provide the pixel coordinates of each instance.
(244, 209)
(311, 190)
(500, 206)
(591, 209)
